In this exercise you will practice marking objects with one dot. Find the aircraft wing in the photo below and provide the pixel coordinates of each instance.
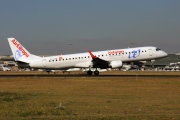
(97, 62)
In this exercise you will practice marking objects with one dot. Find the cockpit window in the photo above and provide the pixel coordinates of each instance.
(158, 49)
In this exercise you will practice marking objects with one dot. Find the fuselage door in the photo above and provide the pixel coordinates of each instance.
(150, 52)
(44, 62)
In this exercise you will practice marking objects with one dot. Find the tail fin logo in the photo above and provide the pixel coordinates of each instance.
(21, 51)
(18, 55)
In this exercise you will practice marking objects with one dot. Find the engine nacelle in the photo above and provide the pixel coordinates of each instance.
(116, 64)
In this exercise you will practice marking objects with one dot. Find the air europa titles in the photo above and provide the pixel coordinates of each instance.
(20, 47)
(116, 52)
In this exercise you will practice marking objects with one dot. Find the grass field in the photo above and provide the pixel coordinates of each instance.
(90, 98)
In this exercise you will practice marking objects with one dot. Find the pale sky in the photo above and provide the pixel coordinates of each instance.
(52, 27)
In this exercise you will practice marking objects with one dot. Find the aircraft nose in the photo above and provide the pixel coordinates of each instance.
(165, 54)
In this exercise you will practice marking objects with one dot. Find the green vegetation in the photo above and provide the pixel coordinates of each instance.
(90, 98)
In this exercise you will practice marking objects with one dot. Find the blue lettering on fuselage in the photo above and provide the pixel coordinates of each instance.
(134, 53)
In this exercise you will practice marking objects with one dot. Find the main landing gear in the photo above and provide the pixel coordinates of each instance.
(96, 72)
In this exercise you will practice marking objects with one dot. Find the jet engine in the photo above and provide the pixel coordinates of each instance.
(116, 64)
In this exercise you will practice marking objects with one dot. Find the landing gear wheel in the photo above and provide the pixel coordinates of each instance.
(96, 72)
(89, 72)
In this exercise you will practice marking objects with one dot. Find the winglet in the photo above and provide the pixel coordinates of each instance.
(93, 56)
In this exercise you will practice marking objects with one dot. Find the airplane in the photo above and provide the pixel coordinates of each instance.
(99, 59)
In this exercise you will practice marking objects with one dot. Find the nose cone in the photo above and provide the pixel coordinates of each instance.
(165, 54)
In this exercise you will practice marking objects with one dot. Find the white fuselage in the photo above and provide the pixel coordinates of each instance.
(84, 60)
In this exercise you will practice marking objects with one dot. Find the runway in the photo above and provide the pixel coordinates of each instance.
(84, 75)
